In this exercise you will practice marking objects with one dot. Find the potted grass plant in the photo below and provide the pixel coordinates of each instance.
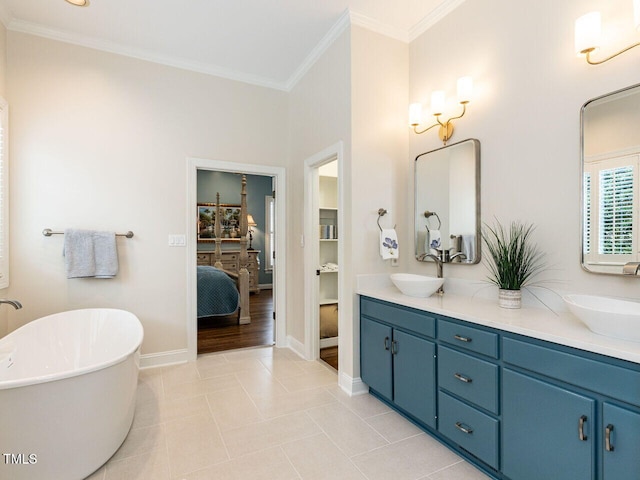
(513, 260)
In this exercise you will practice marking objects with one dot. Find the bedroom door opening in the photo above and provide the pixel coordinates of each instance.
(221, 327)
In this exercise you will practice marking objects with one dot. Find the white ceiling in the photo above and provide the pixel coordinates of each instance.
(264, 42)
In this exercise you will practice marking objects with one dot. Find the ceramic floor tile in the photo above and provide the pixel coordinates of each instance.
(460, 471)
(282, 367)
(347, 430)
(276, 405)
(153, 465)
(179, 374)
(318, 458)
(309, 379)
(227, 368)
(393, 426)
(233, 408)
(194, 443)
(406, 460)
(270, 464)
(260, 382)
(277, 431)
(142, 440)
(200, 387)
(363, 405)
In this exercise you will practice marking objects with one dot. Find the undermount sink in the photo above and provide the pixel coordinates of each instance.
(416, 285)
(607, 316)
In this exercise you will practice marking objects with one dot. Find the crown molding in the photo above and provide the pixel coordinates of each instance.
(379, 27)
(141, 54)
(331, 36)
(444, 9)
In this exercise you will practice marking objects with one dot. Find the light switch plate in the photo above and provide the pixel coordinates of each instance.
(177, 240)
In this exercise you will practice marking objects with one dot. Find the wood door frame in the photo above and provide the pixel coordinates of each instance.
(279, 270)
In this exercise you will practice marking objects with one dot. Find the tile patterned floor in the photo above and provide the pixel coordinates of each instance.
(267, 414)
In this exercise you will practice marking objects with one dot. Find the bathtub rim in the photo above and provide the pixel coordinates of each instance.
(52, 377)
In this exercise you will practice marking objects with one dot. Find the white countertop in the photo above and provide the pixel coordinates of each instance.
(537, 322)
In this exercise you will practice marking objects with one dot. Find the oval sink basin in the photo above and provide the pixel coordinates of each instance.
(416, 285)
(607, 316)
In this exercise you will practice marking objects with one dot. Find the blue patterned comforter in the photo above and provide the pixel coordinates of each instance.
(217, 293)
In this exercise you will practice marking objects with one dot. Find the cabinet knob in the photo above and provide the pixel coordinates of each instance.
(608, 446)
(581, 421)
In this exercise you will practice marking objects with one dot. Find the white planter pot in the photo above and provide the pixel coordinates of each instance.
(509, 298)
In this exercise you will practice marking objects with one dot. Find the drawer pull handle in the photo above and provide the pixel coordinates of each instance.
(394, 347)
(462, 378)
(464, 429)
(607, 438)
(386, 343)
(462, 339)
(581, 423)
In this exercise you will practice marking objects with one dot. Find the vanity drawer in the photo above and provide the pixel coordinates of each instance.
(471, 429)
(469, 338)
(592, 374)
(406, 318)
(468, 377)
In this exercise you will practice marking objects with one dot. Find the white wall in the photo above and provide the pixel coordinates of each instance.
(4, 319)
(529, 88)
(101, 141)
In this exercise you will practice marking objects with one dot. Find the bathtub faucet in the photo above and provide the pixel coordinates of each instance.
(14, 303)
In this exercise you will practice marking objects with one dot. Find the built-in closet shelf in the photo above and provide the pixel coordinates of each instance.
(328, 301)
(322, 272)
(328, 239)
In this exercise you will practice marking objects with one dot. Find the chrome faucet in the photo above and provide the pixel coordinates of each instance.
(444, 256)
(14, 303)
(631, 268)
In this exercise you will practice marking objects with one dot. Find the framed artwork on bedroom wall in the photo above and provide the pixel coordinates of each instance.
(230, 225)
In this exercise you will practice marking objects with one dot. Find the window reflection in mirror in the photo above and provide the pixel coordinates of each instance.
(610, 161)
(447, 189)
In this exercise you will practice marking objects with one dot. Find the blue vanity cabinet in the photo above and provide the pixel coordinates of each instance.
(547, 431)
(396, 361)
(564, 415)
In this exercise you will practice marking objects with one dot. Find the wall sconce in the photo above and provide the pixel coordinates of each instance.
(251, 223)
(465, 88)
(79, 3)
(588, 31)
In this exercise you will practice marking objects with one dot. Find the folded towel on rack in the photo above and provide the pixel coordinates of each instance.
(468, 247)
(90, 253)
(388, 243)
(435, 241)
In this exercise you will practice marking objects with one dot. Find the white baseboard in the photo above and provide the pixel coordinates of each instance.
(296, 346)
(161, 359)
(352, 386)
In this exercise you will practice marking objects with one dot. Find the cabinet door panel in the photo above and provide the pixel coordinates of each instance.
(375, 356)
(414, 375)
(622, 459)
(540, 431)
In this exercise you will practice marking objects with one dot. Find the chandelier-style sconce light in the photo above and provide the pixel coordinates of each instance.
(588, 31)
(465, 88)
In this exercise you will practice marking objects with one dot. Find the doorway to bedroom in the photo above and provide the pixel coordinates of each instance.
(222, 324)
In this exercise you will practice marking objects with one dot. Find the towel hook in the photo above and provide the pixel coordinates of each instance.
(428, 214)
(381, 213)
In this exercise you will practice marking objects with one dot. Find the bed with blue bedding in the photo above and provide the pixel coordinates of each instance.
(217, 292)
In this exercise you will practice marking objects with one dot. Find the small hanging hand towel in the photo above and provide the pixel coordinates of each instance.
(435, 241)
(388, 243)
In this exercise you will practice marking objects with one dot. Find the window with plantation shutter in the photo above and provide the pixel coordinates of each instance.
(4, 207)
(610, 235)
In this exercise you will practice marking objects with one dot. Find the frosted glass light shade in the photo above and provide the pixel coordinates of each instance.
(437, 102)
(587, 32)
(415, 114)
(465, 89)
(79, 3)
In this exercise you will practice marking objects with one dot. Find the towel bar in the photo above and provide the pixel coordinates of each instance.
(47, 232)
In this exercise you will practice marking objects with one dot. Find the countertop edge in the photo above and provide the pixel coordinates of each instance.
(534, 322)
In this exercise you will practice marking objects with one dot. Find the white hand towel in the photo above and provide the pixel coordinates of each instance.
(435, 241)
(90, 254)
(388, 243)
(469, 248)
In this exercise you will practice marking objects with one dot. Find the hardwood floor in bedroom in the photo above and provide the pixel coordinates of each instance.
(216, 334)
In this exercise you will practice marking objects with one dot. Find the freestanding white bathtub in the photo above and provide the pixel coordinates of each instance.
(67, 393)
